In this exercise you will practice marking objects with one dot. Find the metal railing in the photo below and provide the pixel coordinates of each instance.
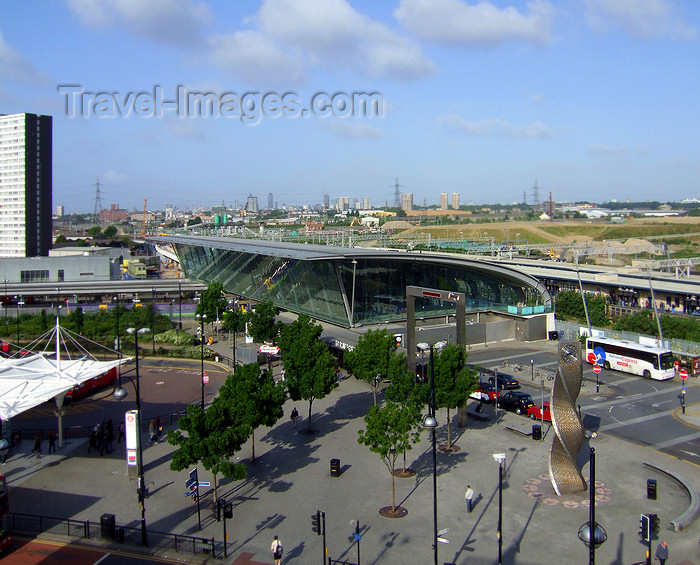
(32, 524)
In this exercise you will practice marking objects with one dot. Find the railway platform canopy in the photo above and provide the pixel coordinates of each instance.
(355, 286)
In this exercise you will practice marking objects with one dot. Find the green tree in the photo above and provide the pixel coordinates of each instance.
(569, 306)
(258, 392)
(235, 320)
(215, 436)
(413, 396)
(77, 319)
(454, 381)
(261, 324)
(389, 432)
(309, 366)
(194, 221)
(370, 360)
(110, 231)
(60, 238)
(213, 302)
(94, 231)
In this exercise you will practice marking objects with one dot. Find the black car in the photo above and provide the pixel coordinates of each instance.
(517, 402)
(504, 381)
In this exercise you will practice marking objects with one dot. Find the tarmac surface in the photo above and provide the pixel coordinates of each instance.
(290, 480)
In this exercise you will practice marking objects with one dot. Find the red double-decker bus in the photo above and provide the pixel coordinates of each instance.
(5, 533)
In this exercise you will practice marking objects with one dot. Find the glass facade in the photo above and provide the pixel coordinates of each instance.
(357, 287)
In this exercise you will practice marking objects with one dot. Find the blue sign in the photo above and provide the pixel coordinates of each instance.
(600, 355)
(203, 484)
(357, 536)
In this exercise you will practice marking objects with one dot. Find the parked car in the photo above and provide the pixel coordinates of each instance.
(485, 392)
(536, 413)
(504, 381)
(517, 402)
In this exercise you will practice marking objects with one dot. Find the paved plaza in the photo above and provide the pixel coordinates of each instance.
(290, 480)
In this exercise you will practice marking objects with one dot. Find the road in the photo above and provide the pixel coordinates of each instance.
(628, 407)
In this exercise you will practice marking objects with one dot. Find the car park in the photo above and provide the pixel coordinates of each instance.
(517, 402)
(536, 413)
(504, 382)
(484, 392)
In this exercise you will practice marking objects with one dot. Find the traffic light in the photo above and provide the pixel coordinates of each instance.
(645, 528)
(316, 522)
(398, 340)
(228, 509)
(653, 525)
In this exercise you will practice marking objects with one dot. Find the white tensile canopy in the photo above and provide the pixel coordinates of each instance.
(28, 381)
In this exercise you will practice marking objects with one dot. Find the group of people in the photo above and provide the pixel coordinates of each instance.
(102, 437)
(38, 439)
(155, 428)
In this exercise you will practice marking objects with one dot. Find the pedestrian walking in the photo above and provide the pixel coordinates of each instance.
(469, 497)
(277, 550)
(151, 431)
(37, 445)
(662, 553)
(52, 442)
(120, 429)
(294, 416)
(159, 427)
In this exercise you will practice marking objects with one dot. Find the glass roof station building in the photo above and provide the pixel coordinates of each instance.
(352, 287)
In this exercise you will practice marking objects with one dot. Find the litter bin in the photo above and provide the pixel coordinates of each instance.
(651, 489)
(553, 335)
(335, 467)
(107, 529)
(536, 432)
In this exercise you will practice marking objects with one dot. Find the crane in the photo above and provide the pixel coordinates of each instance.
(143, 224)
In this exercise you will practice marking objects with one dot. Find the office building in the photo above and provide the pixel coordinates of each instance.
(343, 203)
(252, 204)
(365, 203)
(270, 201)
(455, 200)
(443, 201)
(25, 185)
(406, 201)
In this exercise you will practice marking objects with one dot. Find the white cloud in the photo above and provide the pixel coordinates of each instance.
(254, 57)
(15, 67)
(112, 176)
(495, 128)
(640, 18)
(173, 22)
(608, 151)
(328, 33)
(460, 23)
(356, 130)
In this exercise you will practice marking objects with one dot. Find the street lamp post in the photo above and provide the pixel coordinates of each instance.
(179, 294)
(202, 318)
(430, 423)
(542, 411)
(20, 302)
(532, 370)
(120, 393)
(118, 343)
(593, 535)
(500, 458)
(153, 318)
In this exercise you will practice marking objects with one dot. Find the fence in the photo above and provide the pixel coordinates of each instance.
(31, 524)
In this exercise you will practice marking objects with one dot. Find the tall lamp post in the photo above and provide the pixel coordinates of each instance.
(202, 318)
(179, 294)
(120, 393)
(501, 459)
(118, 343)
(20, 302)
(153, 318)
(592, 534)
(430, 423)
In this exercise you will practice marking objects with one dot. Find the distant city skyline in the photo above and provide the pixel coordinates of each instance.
(590, 99)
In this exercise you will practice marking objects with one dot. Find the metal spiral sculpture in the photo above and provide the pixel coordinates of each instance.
(564, 472)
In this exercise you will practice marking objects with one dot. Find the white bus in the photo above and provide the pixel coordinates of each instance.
(648, 361)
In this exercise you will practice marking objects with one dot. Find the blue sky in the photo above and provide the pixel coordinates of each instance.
(592, 99)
